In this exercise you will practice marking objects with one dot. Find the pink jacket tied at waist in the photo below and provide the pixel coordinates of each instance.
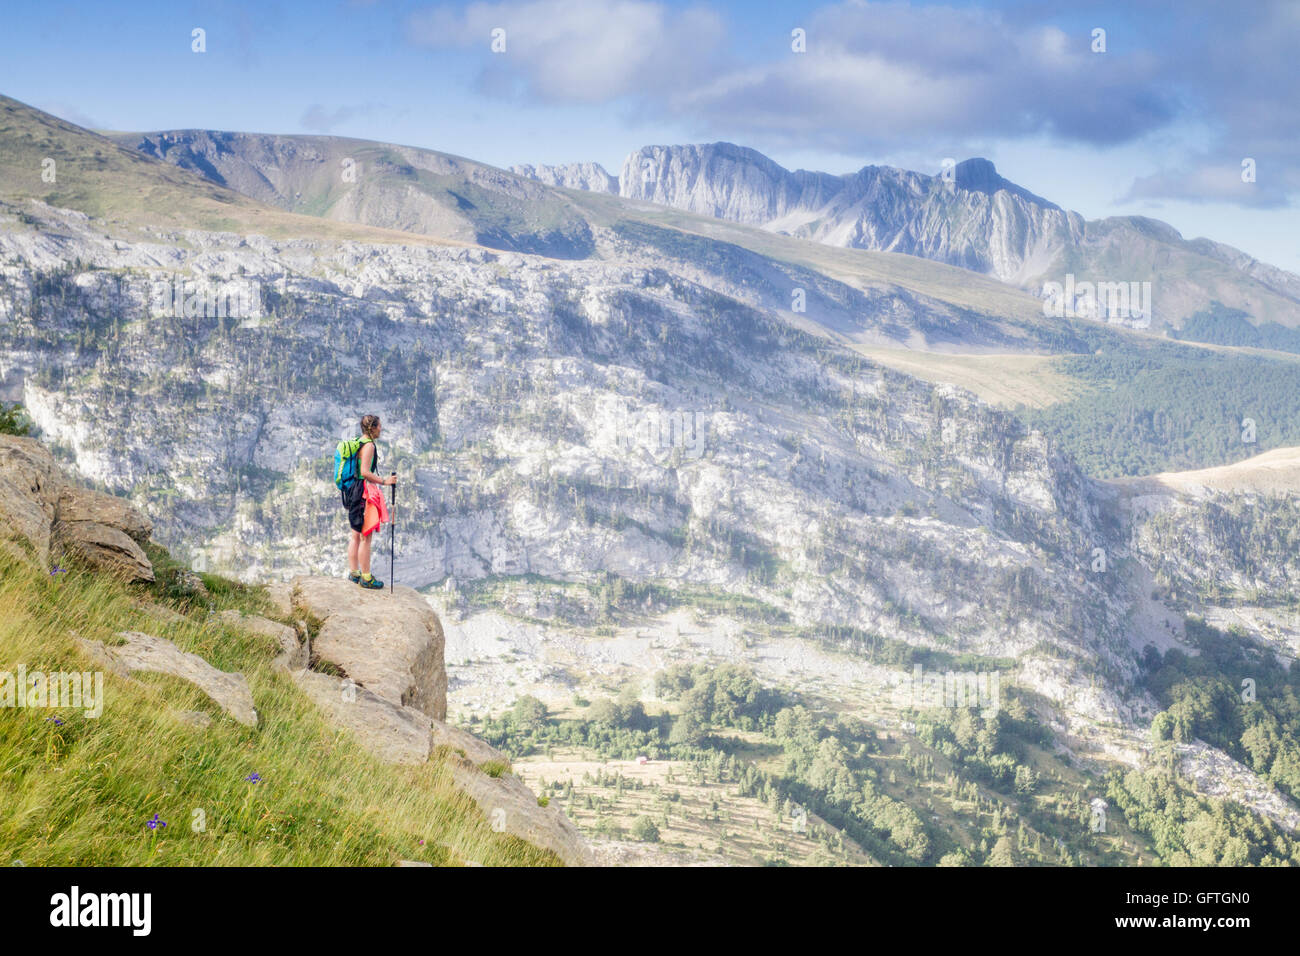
(374, 499)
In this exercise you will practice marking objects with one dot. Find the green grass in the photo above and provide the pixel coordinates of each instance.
(81, 793)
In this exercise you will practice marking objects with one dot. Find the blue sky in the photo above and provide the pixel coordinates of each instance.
(1158, 124)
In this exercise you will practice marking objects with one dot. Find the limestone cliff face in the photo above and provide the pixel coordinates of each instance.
(389, 642)
(646, 417)
(967, 216)
(974, 219)
(589, 176)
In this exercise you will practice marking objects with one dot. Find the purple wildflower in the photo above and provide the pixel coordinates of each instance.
(155, 823)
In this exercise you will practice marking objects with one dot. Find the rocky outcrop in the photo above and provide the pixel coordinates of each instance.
(144, 652)
(589, 176)
(406, 736)
(389, 642)
(393, 696)
(280, 594)
(391, 732)
(45, 515)
(294, 654)
(1219, 775)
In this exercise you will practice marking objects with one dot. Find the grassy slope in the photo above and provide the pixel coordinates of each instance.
(420, 191)
(81, 793)
(1003, 380)
(1273, 473)
(102, 179)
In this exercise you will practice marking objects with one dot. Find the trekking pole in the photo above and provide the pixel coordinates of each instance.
(392, 536)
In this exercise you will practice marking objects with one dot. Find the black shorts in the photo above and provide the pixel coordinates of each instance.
(354, 500)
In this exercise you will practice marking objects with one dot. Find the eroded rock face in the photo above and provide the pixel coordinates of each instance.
(390, 642)
(391, 732)
(81, 505)
(106, 548)
(45, 515)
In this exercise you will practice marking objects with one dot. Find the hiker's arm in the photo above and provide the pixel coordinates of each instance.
(363, 468)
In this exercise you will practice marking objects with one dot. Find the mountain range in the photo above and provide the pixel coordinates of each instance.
(641, 431)
(967, 216)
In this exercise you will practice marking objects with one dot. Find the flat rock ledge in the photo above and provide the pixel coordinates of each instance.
(146, 653)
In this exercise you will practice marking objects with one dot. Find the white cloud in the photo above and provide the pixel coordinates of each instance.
(889, 76)
(583, 51)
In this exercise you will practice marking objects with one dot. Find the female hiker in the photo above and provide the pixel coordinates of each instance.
(365, 504)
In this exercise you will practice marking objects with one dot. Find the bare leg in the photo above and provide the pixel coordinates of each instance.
(363, 553)
(354, 543)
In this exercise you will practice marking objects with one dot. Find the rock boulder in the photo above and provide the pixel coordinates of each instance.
(45, 515)
(403, 735)
(391, 732)
(394, 700)
(144, 652)
(389, 641)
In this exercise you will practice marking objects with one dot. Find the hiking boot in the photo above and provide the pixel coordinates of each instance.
(371, 583)
(354, 577)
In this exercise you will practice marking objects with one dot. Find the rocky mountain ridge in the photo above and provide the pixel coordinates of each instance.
(966, 215)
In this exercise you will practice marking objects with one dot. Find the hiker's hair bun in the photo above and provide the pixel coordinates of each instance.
(368, 423)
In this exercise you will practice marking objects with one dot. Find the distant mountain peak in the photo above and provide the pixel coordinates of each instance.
(980, 175)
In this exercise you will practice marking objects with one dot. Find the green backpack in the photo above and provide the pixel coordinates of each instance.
(347, 461)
